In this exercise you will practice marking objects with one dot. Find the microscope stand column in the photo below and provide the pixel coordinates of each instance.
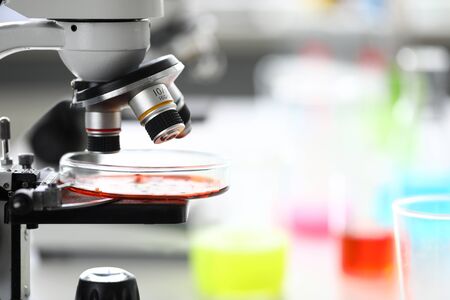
(20, 262)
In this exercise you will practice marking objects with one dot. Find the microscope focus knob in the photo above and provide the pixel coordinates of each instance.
(107, 283)
(26, 160)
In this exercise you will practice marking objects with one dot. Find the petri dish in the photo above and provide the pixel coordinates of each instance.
(145, 174)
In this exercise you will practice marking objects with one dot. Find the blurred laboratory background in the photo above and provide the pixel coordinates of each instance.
(328, 110)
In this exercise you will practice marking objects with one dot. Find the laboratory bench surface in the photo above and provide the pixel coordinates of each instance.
(312, 273)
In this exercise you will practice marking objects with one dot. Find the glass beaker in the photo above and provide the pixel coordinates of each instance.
(422, 235)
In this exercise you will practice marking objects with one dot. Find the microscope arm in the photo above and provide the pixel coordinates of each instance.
(30, 35)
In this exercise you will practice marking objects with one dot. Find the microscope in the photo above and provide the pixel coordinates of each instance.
(103, 43)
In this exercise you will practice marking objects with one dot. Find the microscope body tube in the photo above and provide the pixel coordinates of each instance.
(88, 9)
(92, 51)
(102, 51)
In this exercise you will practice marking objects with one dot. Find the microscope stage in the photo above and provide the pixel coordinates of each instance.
(123, 211)
(126, 187)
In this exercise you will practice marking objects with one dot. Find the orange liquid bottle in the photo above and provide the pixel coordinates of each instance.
(368, 256)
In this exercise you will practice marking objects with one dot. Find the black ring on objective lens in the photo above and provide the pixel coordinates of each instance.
(185, 114)
(151, 68)
(161, 122)
(107, 143)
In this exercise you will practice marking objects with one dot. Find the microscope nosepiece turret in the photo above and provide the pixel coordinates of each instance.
(151, 94)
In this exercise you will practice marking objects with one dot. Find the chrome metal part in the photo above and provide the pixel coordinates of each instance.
(5, 135)
(5, 179)
(150, 102)
(119, 98)
(25, 262)
(177, 95)
(103, 123)
(169, 133)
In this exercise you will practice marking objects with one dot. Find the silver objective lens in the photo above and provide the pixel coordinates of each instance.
(103, 129)
(156, 111)
(182, 109)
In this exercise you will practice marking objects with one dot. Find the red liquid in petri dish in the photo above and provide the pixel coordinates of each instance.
(148, 187)
(368, 256)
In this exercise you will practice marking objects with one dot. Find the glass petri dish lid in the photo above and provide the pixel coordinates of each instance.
(145, 174)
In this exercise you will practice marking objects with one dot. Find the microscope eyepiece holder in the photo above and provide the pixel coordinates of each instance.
(147, 91)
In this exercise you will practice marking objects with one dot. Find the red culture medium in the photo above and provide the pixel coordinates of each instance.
(149, 187)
